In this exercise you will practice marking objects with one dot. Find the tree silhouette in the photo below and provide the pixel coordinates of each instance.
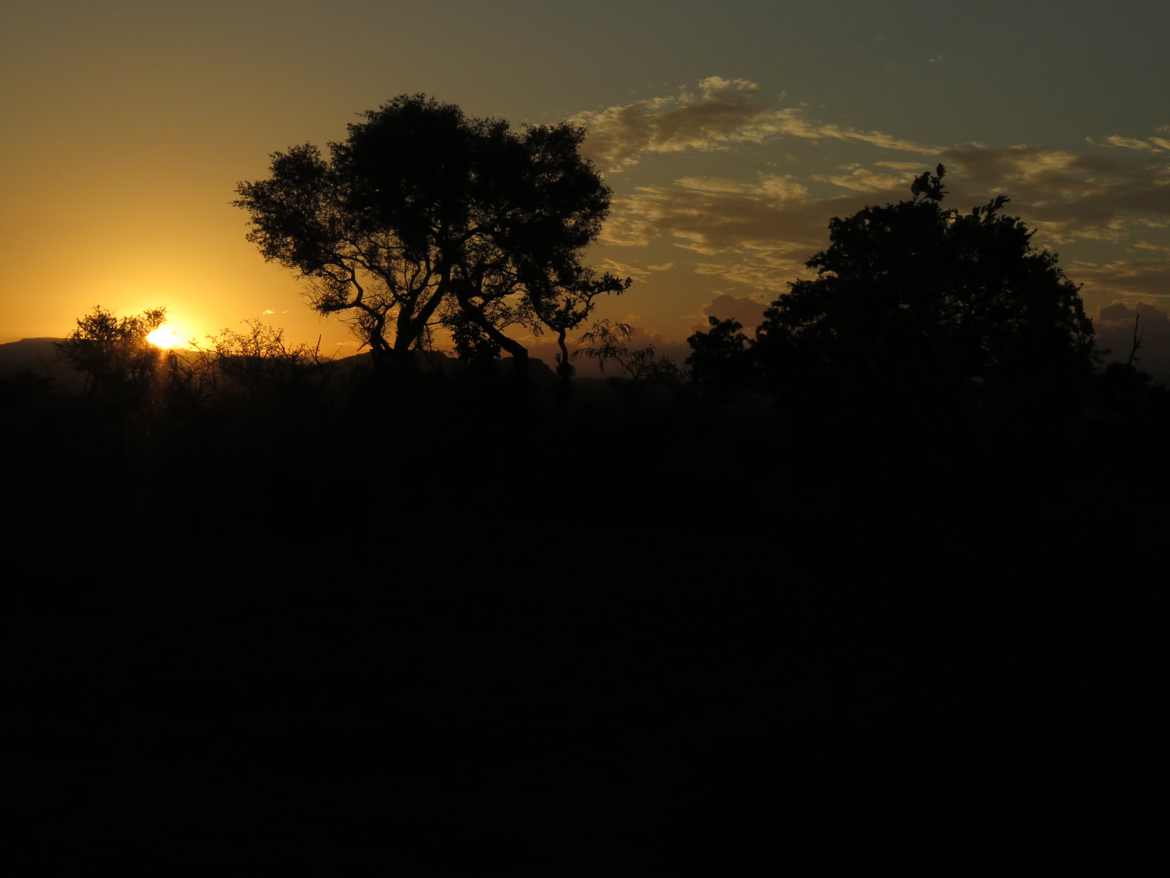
(423, 209)
(914, 298)
(720, 357)
(113, 352)
(606, 341)
(565, 306)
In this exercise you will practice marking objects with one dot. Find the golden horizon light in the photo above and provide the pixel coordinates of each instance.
(167, 337)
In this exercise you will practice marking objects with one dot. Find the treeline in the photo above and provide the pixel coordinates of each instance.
(934, 352)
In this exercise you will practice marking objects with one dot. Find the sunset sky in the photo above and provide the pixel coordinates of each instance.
(730, 134)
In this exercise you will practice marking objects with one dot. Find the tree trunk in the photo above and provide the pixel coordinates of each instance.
(564, 367)
(382, 356)
(518, 352)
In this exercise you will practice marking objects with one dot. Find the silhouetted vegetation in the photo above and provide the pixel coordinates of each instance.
(722, 356)
(425, 617)
(607, 341)
(914, 301)
(114, 354)
(424, 216)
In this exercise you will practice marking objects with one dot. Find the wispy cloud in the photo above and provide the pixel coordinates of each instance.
(1147, 144)
(713, 115)
(749, 234)
(1069, 196)
(766, 187)
(1108, 202)
(1122, 278)
(631, 270)
(881, 177)
(706, 216)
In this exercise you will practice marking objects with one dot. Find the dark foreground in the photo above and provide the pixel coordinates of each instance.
(622, 666)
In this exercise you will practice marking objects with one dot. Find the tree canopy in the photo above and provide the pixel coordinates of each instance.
(424, 216)
(916, 296)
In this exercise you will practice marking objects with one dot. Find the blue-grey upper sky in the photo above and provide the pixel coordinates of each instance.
(729, 133)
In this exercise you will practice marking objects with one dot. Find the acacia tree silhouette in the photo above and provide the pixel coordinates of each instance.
(567, 305)
(259, 361)
(423, 211)
(915, 298)
(113, 352)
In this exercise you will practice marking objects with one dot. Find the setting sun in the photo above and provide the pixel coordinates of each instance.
(166, 337)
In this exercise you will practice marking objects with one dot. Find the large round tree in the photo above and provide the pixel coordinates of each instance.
(423, 215)
(915, 298)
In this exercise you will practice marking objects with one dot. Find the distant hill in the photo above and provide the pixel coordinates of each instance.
(29, 352)
(39, 357)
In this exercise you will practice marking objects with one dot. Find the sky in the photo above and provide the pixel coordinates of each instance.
(729, 133)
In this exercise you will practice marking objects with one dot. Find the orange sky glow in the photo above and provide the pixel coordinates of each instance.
(129, 127)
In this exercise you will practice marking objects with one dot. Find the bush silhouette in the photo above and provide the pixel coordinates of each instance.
(259, 361)
(721, 357)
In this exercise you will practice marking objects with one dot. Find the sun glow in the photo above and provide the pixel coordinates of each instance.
(167, 337)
